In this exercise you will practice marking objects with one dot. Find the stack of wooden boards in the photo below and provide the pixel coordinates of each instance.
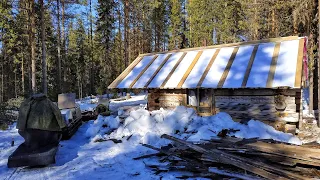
(238, 158)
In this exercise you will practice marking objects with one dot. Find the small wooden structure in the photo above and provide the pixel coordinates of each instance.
(259, 80)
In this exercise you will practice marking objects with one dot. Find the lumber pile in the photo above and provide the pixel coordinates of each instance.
(237, 158)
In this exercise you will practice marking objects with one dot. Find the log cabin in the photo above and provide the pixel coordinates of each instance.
(259, 80)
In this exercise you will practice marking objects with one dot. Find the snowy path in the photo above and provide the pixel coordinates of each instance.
(78, 158)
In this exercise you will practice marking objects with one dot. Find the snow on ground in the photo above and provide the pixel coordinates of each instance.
(133, 101)
(78, 158)
(89, 104)
(82, 157)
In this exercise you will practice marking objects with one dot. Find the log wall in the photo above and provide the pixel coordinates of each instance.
(168, 99)
(275, 107)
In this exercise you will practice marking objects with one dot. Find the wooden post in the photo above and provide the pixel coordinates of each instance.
(198, 100)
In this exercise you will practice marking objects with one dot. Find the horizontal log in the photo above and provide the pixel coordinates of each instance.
(252, 99)
(254, 92)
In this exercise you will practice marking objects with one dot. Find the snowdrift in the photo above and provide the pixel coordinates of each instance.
(142, 126)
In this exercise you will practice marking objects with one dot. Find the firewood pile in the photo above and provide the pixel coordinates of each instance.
(230, 157)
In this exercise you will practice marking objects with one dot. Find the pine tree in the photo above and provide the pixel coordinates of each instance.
(105, 25)
(176, 25)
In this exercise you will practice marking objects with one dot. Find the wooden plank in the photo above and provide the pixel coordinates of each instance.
(198, 99)
(289, 38)
(116, 82)
(147, 156)
(273, 64)
(226, 158)
(144, 70)
(297, 82)
(156, 72)
(204, 75)
(227, 69)
(173, 69)
(300, 125)
(248, 70)
(186, 74)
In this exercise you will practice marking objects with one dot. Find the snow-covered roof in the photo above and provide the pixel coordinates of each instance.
(268, 63)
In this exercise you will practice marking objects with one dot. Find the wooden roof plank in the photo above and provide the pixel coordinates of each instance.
(144, 70)
(173, 69)
(273, 64)
(227, 69)
(248, 70)
(186, 74)
(208, 68)
(158, 69)
(117, 81)
(298, 77)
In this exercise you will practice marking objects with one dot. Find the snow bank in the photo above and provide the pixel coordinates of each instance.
(208, 127)
(182, 122)
(102, 125)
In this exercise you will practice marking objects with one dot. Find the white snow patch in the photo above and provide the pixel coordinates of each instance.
(133, 101)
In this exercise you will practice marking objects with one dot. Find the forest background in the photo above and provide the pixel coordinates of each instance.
(81, 46)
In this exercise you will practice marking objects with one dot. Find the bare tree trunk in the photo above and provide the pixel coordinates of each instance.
(295, 24)
(273, 24)
(91, 53)
(33, 45)
(59, 48)
(15, 83)
(43, 41)
(255, 34)
(64, 69)
(2, 83)
(318, 61)
(22, 74)
(120, 41)
(126, 33)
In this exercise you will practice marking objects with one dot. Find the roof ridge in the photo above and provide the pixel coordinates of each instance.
(279, 39)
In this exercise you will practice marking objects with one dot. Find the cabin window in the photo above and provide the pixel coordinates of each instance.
(192, 97)
(201, 99)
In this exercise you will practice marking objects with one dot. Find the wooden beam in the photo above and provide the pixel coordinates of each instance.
(144, 70)
(173, 69)
(186, 74)
(117, 81)
(247, 73)
(198, 100)
(298, 78)
(227, 69)
(289, 38)
(273, 65)
(301, 111)
(204, 75)
(156, 72)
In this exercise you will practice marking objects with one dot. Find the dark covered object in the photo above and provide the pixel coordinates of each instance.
(38, 112)
(38, 149)
(40, 124)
